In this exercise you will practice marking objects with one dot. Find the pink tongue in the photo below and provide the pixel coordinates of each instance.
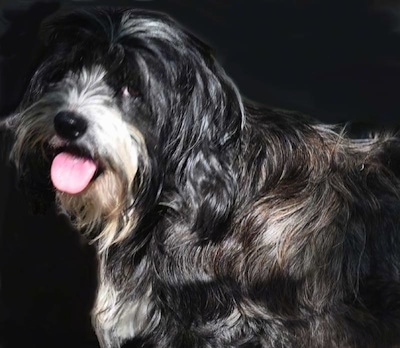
(72, 174)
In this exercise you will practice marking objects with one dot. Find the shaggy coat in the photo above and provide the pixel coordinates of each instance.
(217, 222)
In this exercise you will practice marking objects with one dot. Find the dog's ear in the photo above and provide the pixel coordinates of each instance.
(212, 189)
(206, 139)
(55, 27)
(68, 26)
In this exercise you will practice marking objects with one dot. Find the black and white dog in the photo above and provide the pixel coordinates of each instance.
(217, 223)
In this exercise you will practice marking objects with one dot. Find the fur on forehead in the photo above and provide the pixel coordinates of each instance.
(119, 39)
(142, 49)
(150, 52)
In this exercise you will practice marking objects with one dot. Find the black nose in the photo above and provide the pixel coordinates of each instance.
(69, 125)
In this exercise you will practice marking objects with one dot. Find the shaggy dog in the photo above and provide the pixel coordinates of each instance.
(217, 223)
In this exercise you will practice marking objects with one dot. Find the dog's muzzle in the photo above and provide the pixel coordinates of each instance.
(72, 170)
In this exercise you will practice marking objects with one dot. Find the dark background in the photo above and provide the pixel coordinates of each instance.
(336, 60)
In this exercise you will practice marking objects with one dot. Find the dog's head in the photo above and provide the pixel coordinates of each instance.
(121, 99)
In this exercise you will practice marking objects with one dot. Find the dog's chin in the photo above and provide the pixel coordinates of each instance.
(85, 187)
(102, 199)
(93, 191)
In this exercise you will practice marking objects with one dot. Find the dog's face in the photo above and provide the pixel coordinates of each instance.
(117, 95)
(80, 129)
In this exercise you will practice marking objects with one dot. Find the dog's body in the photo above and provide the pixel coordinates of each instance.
(217, 223)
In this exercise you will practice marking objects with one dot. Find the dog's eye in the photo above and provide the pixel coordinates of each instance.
(129, 91)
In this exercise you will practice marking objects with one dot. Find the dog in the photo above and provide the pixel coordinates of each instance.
(217, 222)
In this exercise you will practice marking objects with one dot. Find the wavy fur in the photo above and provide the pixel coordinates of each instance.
(252, 226)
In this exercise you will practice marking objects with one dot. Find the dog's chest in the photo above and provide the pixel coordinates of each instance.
(120, 315)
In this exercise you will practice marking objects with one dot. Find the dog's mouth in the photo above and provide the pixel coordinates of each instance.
(73, 169)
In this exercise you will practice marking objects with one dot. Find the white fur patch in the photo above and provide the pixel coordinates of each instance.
(117, 318)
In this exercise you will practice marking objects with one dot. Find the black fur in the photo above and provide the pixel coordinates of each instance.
(258, 227)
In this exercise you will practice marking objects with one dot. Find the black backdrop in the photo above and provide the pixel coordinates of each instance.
(336, 60)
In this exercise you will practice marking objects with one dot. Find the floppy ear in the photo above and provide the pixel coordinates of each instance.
(212, 188)
(212, 123)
